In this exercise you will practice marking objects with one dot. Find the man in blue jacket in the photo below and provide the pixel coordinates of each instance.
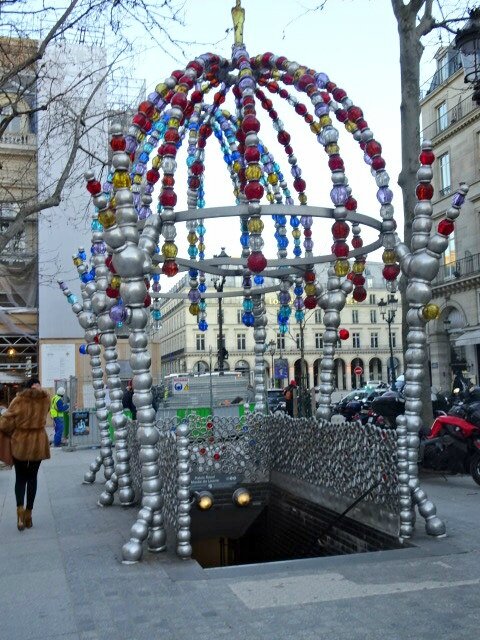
(57, 410)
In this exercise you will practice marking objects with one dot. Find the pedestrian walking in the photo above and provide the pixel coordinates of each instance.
(127, 400)
(288, 395)
(57, 412)
(24, 421)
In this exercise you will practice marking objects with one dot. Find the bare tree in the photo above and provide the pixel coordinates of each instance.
(35, 84)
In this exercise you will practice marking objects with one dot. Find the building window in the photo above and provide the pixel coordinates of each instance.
(444, 163)
(374, 340)
(355, 316)
(298, 341)
(280, 341)
(200, 342)
(319, 341)
(356, 340)
(241, 341)
(442, 66)
(394, 340)
(339, 343)
(372, 299)
(318, 316)
(442, 119)
(450, 257)
(373, 316)
(239, 316)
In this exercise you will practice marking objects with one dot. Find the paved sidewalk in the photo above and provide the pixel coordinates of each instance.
(63, 579)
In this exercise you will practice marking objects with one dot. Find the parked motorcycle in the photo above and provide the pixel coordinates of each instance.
(453, 442)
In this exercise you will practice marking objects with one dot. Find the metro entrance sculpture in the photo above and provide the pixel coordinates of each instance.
(133, 250)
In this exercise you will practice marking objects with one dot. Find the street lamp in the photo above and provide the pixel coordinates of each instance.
(467, 41)
(271, 350)
(388, 309)
(218, 283)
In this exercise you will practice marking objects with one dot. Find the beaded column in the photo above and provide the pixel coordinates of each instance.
(184, 548)
(420, 266)
(259, 334)
(332, 302)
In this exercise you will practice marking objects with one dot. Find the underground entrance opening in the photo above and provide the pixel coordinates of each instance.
(281, 526)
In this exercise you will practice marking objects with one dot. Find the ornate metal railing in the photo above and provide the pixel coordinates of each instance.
(453, 115)
(463, 268)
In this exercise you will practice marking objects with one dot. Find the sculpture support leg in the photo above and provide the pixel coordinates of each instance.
(260, 334)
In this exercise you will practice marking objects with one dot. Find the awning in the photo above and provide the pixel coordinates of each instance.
(468, 337)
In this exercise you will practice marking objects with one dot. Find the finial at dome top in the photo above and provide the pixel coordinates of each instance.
(238, 17)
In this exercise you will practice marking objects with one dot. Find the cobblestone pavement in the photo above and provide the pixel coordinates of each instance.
(63, 579)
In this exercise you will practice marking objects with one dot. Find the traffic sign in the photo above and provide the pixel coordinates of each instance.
(358, 371)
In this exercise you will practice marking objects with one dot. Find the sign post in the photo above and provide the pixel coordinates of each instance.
(358, 371)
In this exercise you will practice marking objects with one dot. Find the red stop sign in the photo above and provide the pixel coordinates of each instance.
(358, 371)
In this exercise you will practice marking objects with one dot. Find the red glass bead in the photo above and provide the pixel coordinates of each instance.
(267, 104)
(299, 185)
(250, 124)
(148, 301)
(168, 150)
(305, 81)
(205, 130)
(330, 86)
(216, 456)
(289, 150)
(359, 294)
(170, 268)
(112, 293)
(336, 163)
(427, 157)
(272, 86)
(193, 182)
(196, 65)
(340, 230)
(196, 97)
(187, 112)
(351, 276)
(147, 108)
(344, 334)
(219, 98)
(283, 137)
(109, 264)
(424, 191)
(280, 62)
(301, 109)
(256, 261)
(252, 154)
(309, 276)
(140, 120)
(357, 279)
(310, 302)
(287, 79)
(378, 163)
(390, 271)
(240, 135)
(373, 148)
(197, 168)
(177, 74)
(283, 93)
(362, 124)
(339, 94)
(351, 204)
(254, 190)
(273, 114)
(354, 113)
(168, 180)
(187, 81)
(172, 135)
(94, 187)
(307, 233)
(96, 339)
(445, 227)
(202, 143)
(340, 249)
(118, 143)
(341, 115)
(309, 118)
(266, 58)
(357, 242)
(236, 92)
(168, 198)
(152, 176)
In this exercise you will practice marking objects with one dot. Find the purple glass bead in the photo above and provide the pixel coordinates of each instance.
(321, 79)
(140, 168)
(117, 313)
(367, 159)
(308, 244)
(149, 188)
(63, 286)
(296, 171)
(306, 221)
(269, 168)
(144, 213)
(156, 287)
(98, 248)
(339, 195)
(298, 303)
(321, 109)
(458, 199)
(107, 187)
(131, 144)
(247, 82)
(284, 297)
(153, 96)
(136, 200)
(289, 200)
(194, 295)
(384, 195)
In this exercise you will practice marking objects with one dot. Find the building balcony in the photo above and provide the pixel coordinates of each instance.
(24, 140)
(458, 274)
(441, 75)
(454, 115)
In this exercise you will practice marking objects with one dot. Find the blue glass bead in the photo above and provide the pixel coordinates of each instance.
(298, 291)
(156, 277)
(294, 222)
(258, 279)
(282, 242)
(203, 325)
(236, 155)
(201, 203)
(193, 273)
(299, 316)
(143, 157)
(297, 251)
(283, 329)
(248, 319)
(190, 161)
(147, 148)
(201, 230)
(202, 305)
(201, 255)
(82, 255)
(71, 299)
(202, 287)
(156, 314)
(244, 239)
(82, 349)
(192, 251)
(282, 220)
(261, 148)
(157, 250)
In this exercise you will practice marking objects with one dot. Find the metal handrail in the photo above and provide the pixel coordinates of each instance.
(463, 268)
(452, 116)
